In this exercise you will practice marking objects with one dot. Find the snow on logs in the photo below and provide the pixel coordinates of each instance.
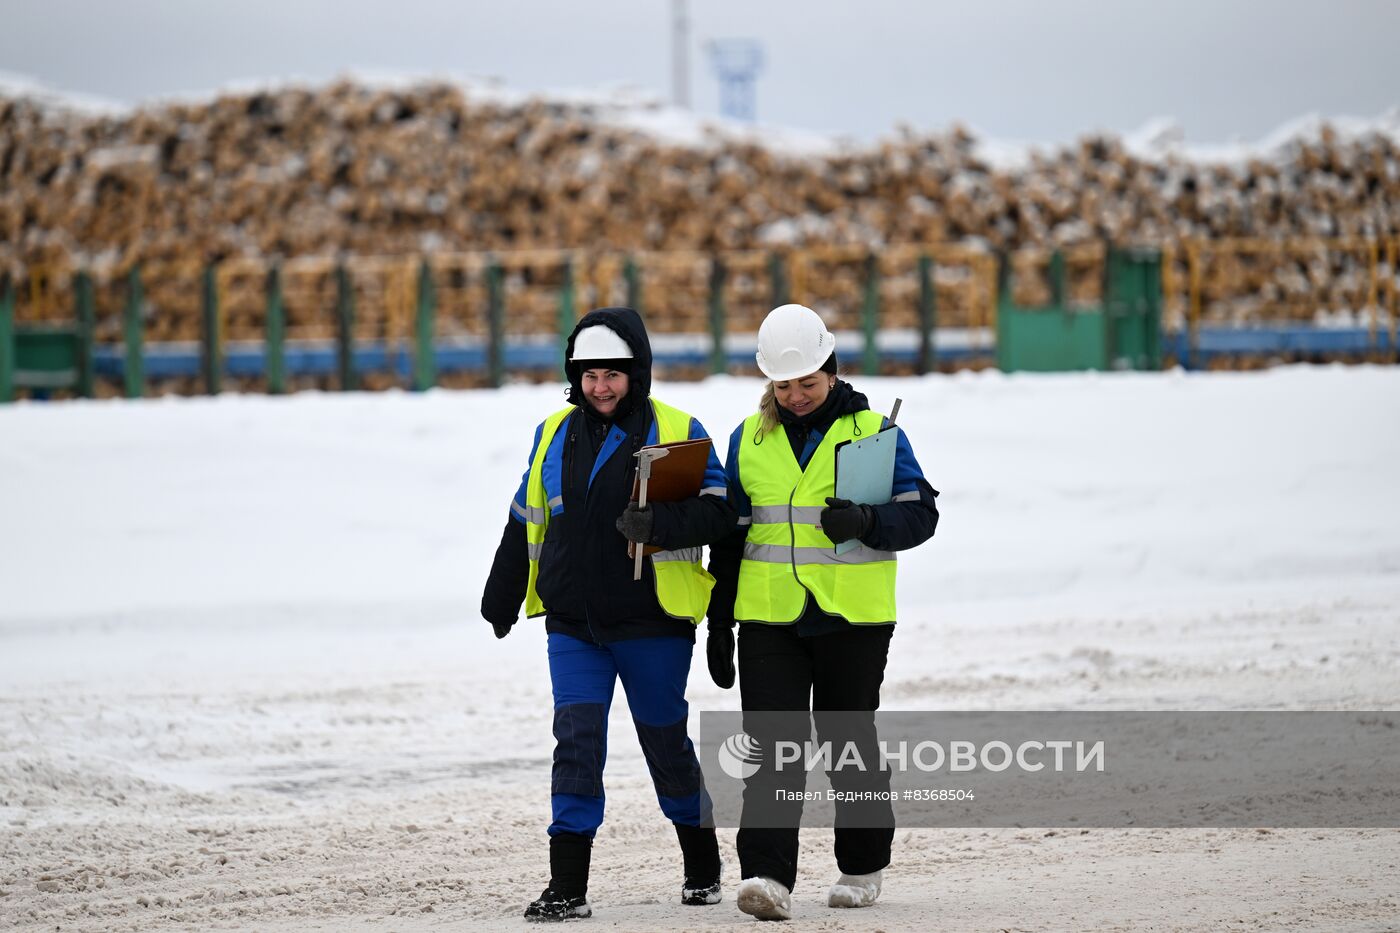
(433, 168)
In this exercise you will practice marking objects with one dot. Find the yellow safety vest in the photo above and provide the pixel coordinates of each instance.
(787, 557)
(682, 583)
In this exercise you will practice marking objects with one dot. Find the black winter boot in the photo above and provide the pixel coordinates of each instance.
(700, 851)
(566, 898)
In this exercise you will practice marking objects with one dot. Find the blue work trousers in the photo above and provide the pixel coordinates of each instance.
(653, 672)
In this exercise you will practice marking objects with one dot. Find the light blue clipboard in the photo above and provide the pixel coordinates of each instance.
(865, 473)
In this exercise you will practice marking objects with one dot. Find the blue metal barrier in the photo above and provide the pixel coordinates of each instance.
(318, 358)
(1213, 342)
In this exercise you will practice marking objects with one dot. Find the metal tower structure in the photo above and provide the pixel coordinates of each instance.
(680, 54)
(736, 63)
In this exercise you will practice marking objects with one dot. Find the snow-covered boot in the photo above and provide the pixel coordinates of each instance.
(765, 899)
(551, 905)
(855, 890)
(700, 853)
(566, 898)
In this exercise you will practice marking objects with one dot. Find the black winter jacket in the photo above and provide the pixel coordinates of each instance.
(585, 579)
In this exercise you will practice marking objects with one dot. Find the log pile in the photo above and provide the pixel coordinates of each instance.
(309, 175)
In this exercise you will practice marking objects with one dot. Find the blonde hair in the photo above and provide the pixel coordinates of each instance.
(768, 409)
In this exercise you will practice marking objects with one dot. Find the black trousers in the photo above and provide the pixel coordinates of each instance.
(781, 670)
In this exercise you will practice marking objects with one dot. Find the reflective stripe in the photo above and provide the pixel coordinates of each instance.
(778, 514)
(782, 554)
(555, 503)
(529, 513)
(714, 491)
(688, 554)
(770, 514)
(808, 514)
(746, 519)
(535, 550)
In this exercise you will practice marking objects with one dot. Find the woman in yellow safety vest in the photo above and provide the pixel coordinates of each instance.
(814, 623)
(564, 555)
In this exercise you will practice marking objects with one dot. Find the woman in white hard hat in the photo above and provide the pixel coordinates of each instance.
(564, 554)
(814, 625)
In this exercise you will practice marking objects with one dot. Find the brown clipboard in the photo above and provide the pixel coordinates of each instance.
(678, 475)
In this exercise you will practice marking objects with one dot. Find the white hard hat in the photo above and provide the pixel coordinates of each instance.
(600, 342)
(793, 342)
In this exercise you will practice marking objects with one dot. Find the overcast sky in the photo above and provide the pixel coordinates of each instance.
(1020, 69)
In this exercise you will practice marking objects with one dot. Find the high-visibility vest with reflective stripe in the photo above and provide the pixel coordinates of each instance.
(786, 556)
(682, 583)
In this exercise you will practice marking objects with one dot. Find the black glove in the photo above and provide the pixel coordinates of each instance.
(501, 619)
(719, 651)
(843, 520)
(635, 523)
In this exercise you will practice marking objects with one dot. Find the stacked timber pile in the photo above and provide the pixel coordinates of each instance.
(307, 175)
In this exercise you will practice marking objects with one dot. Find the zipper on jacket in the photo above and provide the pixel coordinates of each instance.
(792, 554)
(568, 485)
(583, 506)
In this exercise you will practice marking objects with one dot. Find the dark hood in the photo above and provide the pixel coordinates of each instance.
(628, 325)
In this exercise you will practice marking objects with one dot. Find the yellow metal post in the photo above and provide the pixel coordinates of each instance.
(797, 291)
(1193, 271)
(1394, 305)
(410, 268)
(989, 292)
(37, 278)
(1168, 275)
(1373, 294)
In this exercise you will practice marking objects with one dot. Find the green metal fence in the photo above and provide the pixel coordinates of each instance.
(453, 300)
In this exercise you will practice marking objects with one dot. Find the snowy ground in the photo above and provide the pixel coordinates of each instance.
(243, 684)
